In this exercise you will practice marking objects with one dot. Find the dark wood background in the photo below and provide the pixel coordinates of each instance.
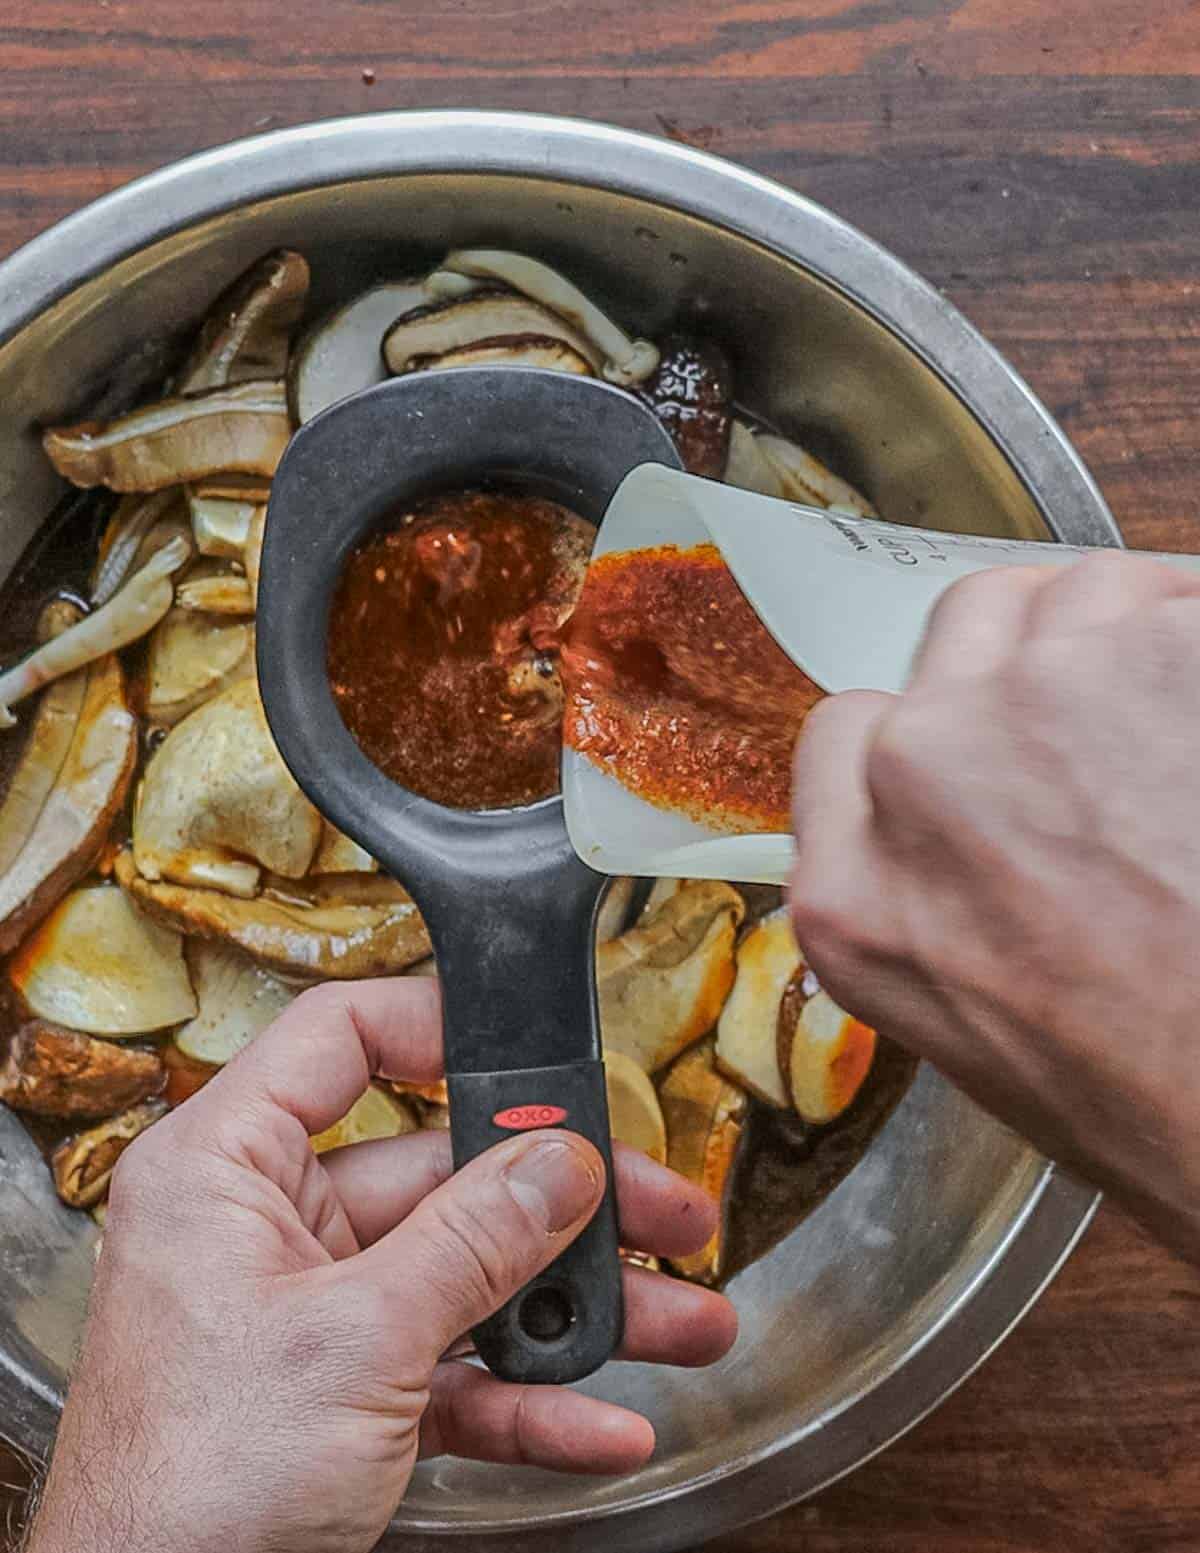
(1037, 159)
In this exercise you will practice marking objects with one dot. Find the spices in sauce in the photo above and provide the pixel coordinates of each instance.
(442, 638)
(676, 688)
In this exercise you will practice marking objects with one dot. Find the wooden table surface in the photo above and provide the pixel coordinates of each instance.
(1038, 161)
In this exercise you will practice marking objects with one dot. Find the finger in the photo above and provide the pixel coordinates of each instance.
(381, 1182)
(480, 1236)
(473, 1414)
(978, 622)
(829, 769)
(668, 1321)
(1104, 588)
(316, 1059)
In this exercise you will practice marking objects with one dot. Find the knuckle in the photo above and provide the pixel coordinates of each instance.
(469, 1263)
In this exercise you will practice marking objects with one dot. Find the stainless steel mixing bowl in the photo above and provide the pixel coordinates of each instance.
(925, 1256)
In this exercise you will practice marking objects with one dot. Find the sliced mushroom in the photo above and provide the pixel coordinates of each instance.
(52, 840)
(245, 335)
(185, 1075)
(519, 351)
(375, 1114)
(662, 985)
(178, 441)
(661, 891)
(363, 925)
(217, 593)
(634, 1114)
(747, 466)
(237, 999)
(121, 547)
(221, 526)
(433, 1094)
(232, 487)
(217, 800)
(337, 854)
(252, 558)
(768, 957)
(60, 1073)
(343, 354)
(423, 336)
(691, 393)
(803, 478)
(703, 1112)
(825, 1053)
(625, 361)
(192, 658)
(132, 612)
(614, 908)
(100, 965)
(83, 1165)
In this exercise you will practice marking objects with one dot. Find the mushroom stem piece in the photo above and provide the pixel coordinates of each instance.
(626, 361)
(131, 612)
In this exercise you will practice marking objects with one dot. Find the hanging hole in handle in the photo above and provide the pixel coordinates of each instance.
(545, 1314)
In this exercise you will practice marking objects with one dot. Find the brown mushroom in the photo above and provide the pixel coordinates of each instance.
(661, 985)
(244, 427)
(49, 1071)
(613, 914)
(338, 926)
(768, 957)
(690, 392)
(427, 335)
(217, 801)
(704, 1113)
(99, 965)
(83, 1165)
(51, 838)
(530, 350)
(824, 1053)
(245, 335)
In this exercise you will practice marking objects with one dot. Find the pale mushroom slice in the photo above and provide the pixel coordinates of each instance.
(82, 1166)
(421, 337)
(237, 999)
(217, 803)
(215, 593)
(747, 466)
(337, 926)
(768, 957)
(634, 1114)
(191, 658)
(337, 854)
(52, 1072)
(520, 351)
(662, 985)
(53, 838)
(825, 1053)
(99, 965)
(343, 354)
(704, 1113)
(803, 478)
(246, 333)
(613, 915)
(252, 556)
(221, 525)
(121, 545)
(625, 361)
(661, 891)
(375, 1114)
(132, 612)
(244, 427)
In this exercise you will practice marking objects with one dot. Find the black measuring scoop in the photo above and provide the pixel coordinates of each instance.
(508, 904)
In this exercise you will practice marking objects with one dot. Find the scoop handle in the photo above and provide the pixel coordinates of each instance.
(567, 1321)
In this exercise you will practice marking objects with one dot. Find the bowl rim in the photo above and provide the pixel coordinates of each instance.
(188, 192)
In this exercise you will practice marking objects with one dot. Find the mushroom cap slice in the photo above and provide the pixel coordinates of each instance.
(83, 1165)
(662, 985)
(418, 338)
(244, 427)
(99, 965)
(337, 926)
(237, 999)
(825, 1053)
(245, 335)
(634, 1114)
(41, 760)
(337, 854)
(343, 354)
(59, 843)
(747, 466)
(217, 793)
(192, 657)
(614, 908)
(519, 351)
(375, 1114)
(221, 527)
(215, 593)
(49, 1071)
(804, 478)
(704, 1113)
(768, 957)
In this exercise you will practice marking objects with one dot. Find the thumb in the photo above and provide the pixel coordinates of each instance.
(480, 1236)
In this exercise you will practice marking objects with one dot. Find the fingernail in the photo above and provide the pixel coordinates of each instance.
(555, 1182)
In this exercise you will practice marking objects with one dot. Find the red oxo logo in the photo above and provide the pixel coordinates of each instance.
(520, 1118)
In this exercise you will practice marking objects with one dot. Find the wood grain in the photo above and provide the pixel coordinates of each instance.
(1039, 163)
